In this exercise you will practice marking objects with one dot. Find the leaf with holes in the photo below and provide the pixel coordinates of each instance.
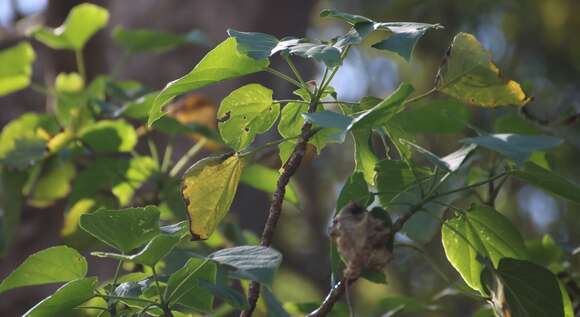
(245, 112)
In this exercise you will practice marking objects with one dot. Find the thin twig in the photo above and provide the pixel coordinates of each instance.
(288, 170)
(333, 296)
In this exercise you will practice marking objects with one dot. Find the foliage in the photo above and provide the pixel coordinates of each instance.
(85, 152)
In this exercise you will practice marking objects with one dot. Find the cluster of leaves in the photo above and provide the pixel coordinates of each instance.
(85, 151)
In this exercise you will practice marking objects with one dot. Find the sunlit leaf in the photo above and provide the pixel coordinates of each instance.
(143, 40)
(69, 82)
(82, 22)
(449, 163)
(480, 232)
(265, 179)
(221, 63)
(515, 146)
(208, 188)
(469, 74)
(52, 265)
(62, 302)
(124, 229)
(53, 184)
(16, 67)
(245, 112)
(548, 181)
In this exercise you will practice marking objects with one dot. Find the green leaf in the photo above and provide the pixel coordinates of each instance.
(546, 252)
(221, 63)
(108, 136)
(356, 190)
(53, 184)
(11, 202)
(230, 295)
(152, 253)
(365, 158)
(273, 305)
(82, 22)
(339, 123)
(469, 75)
(21, 141)
(245, 112)
(65, 299)
(483, 232)
(515, 146)
(260, 45)
(449, 163)
(256, 263)
(409, 305)
(52, 265)
(144, 41)
(434, 116)
(548, 181)
(16, 67)
(380, 114)
(124, 229)
(69, 82)
(265, 179)
(209, 187)
(184, 287)
(404, 38)
(514, 123)
(393, 178)
(522, 288)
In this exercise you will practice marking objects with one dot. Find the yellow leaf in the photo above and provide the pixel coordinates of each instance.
(469, 75)
(208, 188)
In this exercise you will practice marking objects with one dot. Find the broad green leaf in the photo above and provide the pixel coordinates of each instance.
(109, 136)
(245, 112)
(143, 41)
(184, 287)
(124, 229)
(65, 299)
(209, 187)
(221, 63)
(521, 288)
(339, 123)
(365, 158)
(273, 305)
(82, 22)
(16, 67)
(380, 114)
(256, 263)
(153, 251)
(53, 184)
(260, 45)
(394, 177)
(23, 140)
(138, 108)
(434, 116)
(515, 146)
(480, 232)
(11, 202)
(469, 75)
(356, 190)
(52, 265)
(265, 179)
(548, 181)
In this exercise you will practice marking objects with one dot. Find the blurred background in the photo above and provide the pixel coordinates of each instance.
(535, 42)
